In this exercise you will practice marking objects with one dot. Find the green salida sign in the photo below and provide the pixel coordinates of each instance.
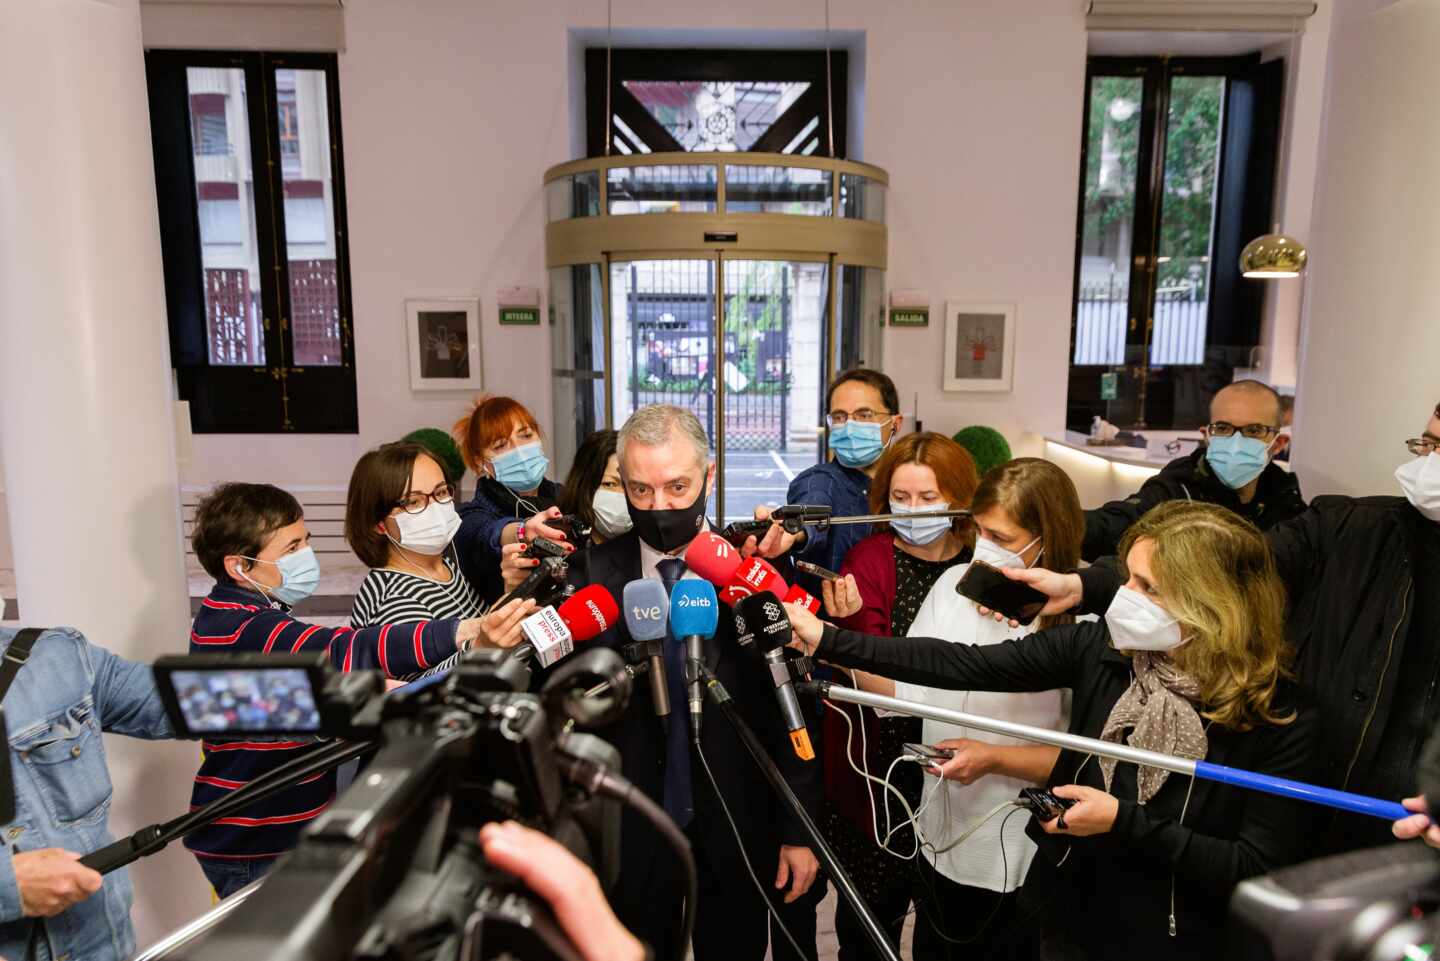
(520, 315)
(909, 316)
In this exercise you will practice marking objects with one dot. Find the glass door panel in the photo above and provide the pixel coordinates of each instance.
(773, 377)
(1187, 219)
(663, 332)
(225, 209)
(303, 121)
(769, 380)
(1111, 158)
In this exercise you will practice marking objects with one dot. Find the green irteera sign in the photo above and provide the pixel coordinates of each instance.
(519, 315)
(910, 317)
(1109, 386)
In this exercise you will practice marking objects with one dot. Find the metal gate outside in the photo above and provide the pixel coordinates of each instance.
(673, 350)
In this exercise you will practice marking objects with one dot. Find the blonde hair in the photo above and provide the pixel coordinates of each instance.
(1041, 498)
(1217, 578)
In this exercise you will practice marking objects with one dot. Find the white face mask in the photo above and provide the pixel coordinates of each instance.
(989, 552)
(1420, 480)
(1137, 623)
(612, 513)
(428, 532)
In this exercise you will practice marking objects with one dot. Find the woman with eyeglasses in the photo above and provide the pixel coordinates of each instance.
(400, 520)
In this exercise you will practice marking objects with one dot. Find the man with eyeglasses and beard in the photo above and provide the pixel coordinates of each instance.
(1234, 468)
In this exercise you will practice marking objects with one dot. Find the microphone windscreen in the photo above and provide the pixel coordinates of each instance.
(647, 609)
(763, 621)
(798, 595)
(694, 608)
(760, 576)
(712, 557)
(589, 613)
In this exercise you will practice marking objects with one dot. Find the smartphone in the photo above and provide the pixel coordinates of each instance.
(1043, 804)
(989, 587)
(823, 573)
(930, 753)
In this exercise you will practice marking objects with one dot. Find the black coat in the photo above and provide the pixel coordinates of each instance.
(1109, 896)
(482, 518)
(1277, 498)
(1348, 565)
(644, 896)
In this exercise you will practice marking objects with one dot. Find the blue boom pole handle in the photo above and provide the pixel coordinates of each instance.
(1344, 800)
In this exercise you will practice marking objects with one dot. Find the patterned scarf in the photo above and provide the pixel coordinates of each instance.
(1159, 708)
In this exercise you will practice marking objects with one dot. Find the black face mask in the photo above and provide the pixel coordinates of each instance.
(670, 530)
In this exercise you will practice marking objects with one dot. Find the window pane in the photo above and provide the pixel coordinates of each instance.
(1111, 151)
(703, 115)
(661, 189)
(777, 190)
(303, 120)
(225, 208)
(577, 195)
(862, 198)
(1187, 218)
(577, 349)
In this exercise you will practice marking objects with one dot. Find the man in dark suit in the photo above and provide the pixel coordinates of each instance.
(665, 467)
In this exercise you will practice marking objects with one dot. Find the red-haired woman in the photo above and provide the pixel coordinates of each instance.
(894, 570)
(502, 444)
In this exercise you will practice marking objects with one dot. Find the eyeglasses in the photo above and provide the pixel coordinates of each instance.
(865, 415)
(414, 502)
(1422, 446)
(1253, 431)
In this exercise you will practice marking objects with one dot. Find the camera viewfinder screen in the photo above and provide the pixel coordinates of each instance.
(222, 702)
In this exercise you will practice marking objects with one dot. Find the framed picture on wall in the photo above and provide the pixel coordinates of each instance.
(444, 339)
(979, 346)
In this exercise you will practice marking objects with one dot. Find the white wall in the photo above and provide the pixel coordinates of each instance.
(452, 110)
(1280, 332)
(1368, 377)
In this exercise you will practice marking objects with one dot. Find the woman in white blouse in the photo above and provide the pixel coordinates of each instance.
(1024, 510)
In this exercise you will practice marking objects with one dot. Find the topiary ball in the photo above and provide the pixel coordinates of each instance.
(986, 445)
(443, 448)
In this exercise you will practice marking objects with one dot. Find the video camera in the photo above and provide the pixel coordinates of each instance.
(1378, 904)
(392, 869)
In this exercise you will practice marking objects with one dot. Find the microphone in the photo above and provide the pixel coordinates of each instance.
(715, 559)
(694, 615)
(647, 609)
(798, 595)
(712, 557)
(551, 633)
(761, 622)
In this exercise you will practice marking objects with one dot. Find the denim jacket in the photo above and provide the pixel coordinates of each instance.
(65, 695)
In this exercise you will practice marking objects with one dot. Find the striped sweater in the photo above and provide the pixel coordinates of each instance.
(233, 619)
(393, 596)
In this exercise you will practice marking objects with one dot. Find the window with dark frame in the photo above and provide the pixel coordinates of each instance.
(770, 101)
(250, 185)
(1177, 174)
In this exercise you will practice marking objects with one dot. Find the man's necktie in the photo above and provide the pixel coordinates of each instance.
(679, 794)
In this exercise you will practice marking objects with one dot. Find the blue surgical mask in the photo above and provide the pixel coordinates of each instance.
(1237, 460)
(299, 576)
(920, 531)
(521, 468)
(856, 443)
